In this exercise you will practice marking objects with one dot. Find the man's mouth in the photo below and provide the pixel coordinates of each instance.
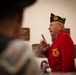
(50, 31)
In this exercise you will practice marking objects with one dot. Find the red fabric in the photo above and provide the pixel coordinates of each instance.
(61, 54)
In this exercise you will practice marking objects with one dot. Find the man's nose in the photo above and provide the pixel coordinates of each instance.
(49, 28)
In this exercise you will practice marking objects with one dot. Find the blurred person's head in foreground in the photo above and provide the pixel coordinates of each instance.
(11, 17)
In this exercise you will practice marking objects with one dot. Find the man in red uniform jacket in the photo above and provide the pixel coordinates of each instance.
(61, 53)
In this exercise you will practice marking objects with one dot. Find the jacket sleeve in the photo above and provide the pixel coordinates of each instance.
(67, 51)
(46, 52)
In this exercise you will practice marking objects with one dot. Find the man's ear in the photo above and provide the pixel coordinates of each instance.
(60, 26)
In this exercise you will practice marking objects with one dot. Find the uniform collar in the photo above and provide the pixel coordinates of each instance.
(59, 35)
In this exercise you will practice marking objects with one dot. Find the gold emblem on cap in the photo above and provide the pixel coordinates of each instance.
(55, 18)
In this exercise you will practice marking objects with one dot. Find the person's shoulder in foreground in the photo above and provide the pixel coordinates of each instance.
(17, 59)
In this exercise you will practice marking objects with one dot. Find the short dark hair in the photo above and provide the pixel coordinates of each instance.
(44, 61)
(10, 7)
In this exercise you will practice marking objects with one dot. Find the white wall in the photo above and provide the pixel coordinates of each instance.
(37, 18)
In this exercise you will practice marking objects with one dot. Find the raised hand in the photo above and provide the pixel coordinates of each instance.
(43, 42)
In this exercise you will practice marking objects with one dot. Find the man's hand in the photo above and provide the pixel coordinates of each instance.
(43, 42)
